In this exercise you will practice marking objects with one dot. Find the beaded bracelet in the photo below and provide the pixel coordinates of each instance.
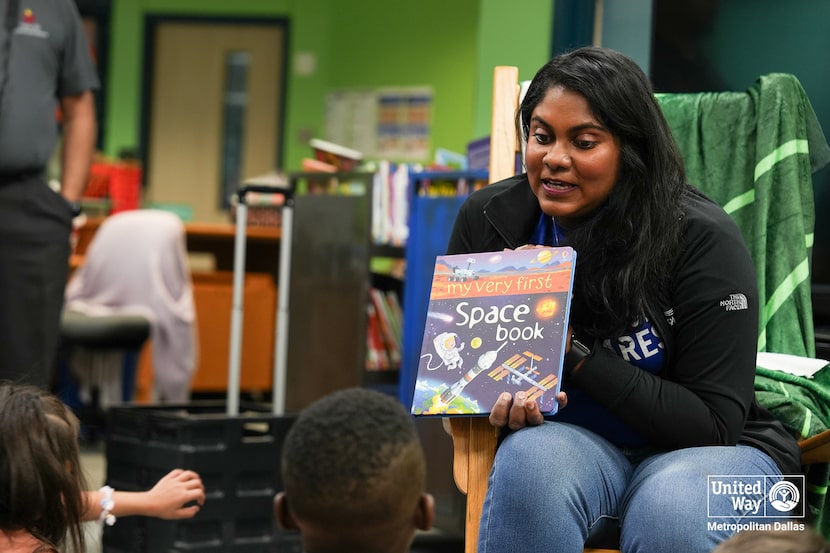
(107, 505)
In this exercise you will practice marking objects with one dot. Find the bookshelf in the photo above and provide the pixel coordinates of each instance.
(333, 219)
(331, 248)
(430, 202)
(323, 200)
(446, 183)
(389, 234)
(432, 212)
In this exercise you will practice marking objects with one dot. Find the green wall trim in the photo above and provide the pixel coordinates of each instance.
(450, 46)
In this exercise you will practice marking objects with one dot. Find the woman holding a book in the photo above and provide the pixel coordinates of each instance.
(661, 425)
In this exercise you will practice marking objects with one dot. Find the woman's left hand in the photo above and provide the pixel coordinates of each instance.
(518, 412)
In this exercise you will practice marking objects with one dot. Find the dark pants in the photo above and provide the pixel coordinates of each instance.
(35, 227)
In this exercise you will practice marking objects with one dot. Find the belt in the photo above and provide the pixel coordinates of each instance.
(20, 176)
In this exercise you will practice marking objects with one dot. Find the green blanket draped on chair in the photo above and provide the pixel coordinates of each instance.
(754, 152)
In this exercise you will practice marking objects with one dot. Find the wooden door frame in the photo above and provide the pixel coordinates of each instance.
(152, 22)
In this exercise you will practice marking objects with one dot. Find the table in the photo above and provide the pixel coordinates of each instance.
(212, 292)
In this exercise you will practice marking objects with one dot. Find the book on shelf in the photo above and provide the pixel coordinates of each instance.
(386, 319)
(395, 313)
(390, 204)
(496, 322)
(438, 182)
(395, 185)
(376, 357)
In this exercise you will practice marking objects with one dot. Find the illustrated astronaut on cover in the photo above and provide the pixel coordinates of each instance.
(447, 347)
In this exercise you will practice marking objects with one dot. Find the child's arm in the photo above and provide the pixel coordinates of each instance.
(166, 500)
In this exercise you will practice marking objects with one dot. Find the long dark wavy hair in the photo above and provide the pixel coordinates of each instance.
(41, 482)
(626, 249)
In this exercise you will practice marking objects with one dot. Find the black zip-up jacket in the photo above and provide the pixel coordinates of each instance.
(704, 395)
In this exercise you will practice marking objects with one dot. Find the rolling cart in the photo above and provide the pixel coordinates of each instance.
(283, 287)
(234, 447)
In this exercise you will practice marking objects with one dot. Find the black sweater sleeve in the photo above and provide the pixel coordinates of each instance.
(704, 392)
(461, 236)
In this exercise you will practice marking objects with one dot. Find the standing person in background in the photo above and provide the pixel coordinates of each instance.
(45, 63)
(660, 368)
(354, 475)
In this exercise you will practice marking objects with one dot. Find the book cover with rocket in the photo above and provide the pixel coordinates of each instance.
(496, 322)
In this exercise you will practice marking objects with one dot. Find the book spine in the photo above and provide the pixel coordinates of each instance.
(393, 346)
(395, 314)
(376, 356)
(400, 205)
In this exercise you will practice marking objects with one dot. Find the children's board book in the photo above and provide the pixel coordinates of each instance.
(496, 322)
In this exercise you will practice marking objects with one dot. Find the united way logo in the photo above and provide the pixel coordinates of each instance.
(784, 496)
(755, 496)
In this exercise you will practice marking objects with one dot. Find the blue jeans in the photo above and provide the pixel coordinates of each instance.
(552, 484)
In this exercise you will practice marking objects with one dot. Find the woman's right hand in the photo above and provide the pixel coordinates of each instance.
(518, 412)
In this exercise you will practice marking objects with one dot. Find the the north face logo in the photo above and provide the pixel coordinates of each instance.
(736, 302)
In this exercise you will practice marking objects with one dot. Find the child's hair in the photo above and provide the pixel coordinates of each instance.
(353, 459)
(781, 541)
(41, 483)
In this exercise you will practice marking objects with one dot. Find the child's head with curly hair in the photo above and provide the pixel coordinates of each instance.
(354, 475)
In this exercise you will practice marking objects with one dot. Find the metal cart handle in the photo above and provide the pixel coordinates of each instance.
(281, 326)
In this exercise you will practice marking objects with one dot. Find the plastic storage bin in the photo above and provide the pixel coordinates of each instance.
(236, 456)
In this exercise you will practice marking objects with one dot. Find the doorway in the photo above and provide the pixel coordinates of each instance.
(213, 100)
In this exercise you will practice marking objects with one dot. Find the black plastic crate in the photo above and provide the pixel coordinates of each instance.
(236, 456)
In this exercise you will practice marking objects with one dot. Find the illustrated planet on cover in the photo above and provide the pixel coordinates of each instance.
(544, 257)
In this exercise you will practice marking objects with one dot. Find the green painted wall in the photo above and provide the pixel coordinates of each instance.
(307, 32)
(450, 46)
(311, 32)
(510, 33)
(431, 42)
